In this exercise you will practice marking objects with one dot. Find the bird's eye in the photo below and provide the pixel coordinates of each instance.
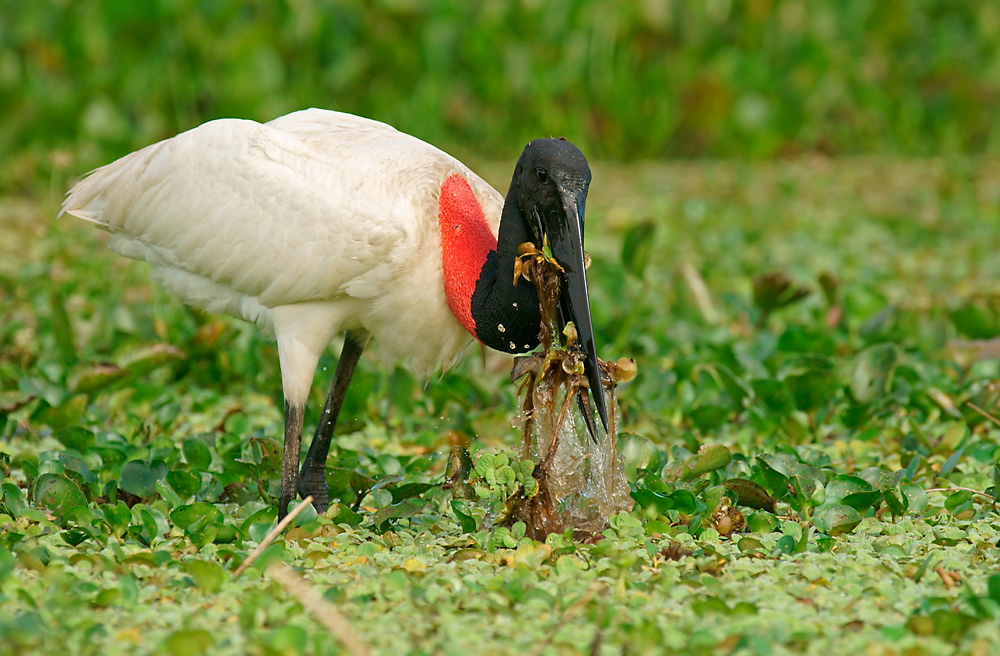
(542, 176)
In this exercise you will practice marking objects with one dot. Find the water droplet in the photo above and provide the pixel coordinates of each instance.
(513, 346)
(515, 304)
(501, 328)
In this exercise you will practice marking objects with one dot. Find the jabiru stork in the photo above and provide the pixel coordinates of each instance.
(321, 222)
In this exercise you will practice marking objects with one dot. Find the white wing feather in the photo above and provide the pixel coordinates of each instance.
(332, 215)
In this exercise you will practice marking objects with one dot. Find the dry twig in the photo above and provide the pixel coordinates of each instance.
(983, 412)
(322, 610)
(266, 542)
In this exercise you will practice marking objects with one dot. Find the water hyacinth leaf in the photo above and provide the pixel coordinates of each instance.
(344, 515)
(67, 413)
(841, 485)
(77, 469)
(950, 464)
(873, 371)
(647, 498)
(62, 330)
(144, 360)
(465, 520)
(58, 494)
(185, 483)
(737, 389)
(408, 490)
(975, 320)
(861, 501)
(775, 290)
(94, 376)
(185, 642)
(196, 454)
(636, 247)
(837, 520)
(206, 574)
(762, 522)
(774, 396)
(709, 458)
(897, 502)
(268, 452)
(916, 496)
(775, 474)
(812, 382)
(117, 516)
(956, 500)
(346, 484)
(195, 515)
(402, 510)
(684, 501)
(139, 478)
(785, 545)
(879, 478)
(708, 417)
(751, 494)
(993, 588)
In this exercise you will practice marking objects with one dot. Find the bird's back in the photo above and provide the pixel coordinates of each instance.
(313, 207)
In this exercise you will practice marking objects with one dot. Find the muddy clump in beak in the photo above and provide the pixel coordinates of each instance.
(581, 479)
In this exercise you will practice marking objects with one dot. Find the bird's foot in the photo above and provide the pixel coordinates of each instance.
(313, 481)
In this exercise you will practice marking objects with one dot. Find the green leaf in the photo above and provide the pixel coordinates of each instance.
(861, 501)
(916, 497)
(144, 360)
(950, 464)
(195, 516)
(775, 474)
(402, 510)
(684, 501)
(269, 453)
(837, 520)
(94, 376)
(842, 485)
(775, 290)
(774, 396)
(896, 500)
(117, 516)
(750, 494)
(58, 493)
(873, 371)
(708, 417)
(76, 438)
(465, 519)
(956, 499)
(762, 522)
(709, 458)
(139, 478)
(812, 382)
(197, 454)
(185, 483)
(637, 244)
(206, 574)
(185, 642)
(62, 329)
(67, 413)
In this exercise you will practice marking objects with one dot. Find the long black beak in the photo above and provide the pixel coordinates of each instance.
(566, 244)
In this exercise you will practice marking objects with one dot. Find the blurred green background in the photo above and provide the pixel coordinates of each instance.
(84, 82)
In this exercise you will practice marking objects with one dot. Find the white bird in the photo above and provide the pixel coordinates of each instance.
(321, 222)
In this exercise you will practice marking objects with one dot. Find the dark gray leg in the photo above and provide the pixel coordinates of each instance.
(290, 460)
(313, 479)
